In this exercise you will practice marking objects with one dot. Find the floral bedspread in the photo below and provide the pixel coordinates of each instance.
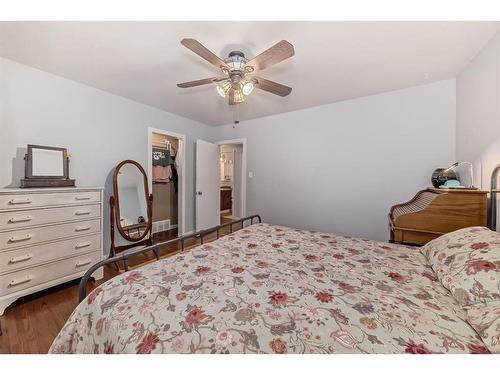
(271, 289)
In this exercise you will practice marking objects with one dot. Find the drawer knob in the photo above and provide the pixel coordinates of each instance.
(13, 220)
(24, 280)
(82, 197)
(20, 238)
(82, 229)
(82, 245)
(83, 263)
(81, 212)
(19, 259)
(20, 201)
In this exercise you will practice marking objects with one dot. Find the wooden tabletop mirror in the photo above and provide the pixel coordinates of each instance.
(130, 206)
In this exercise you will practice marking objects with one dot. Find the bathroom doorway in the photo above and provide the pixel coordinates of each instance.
(232, 171)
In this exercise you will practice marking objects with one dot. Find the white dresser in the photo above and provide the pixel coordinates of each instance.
(47, 237)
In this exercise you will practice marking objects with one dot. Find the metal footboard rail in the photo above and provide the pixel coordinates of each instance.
(124, 257)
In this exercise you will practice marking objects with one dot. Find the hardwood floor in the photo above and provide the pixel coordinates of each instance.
(32, 322)
(224, 220)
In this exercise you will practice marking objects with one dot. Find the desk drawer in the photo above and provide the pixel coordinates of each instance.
(35, 200)
(29, 237)
(29, 218)
(27, 278)
(33, 255)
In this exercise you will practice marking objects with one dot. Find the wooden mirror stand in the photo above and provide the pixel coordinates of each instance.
(143, 238)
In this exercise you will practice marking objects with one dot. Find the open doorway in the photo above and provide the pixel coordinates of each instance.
(232, 171)
(166, 180)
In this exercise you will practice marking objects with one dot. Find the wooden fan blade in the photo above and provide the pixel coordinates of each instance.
(205, 53)
(199, 82)
(279, 52)
(272, 87)
(231, 97)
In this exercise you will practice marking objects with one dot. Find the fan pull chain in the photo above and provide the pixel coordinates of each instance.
(236, 115)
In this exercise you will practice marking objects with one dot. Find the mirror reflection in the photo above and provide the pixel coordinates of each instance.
(132, 200)
(47, 162)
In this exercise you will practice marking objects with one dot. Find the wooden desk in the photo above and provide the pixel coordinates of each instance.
(434, 212)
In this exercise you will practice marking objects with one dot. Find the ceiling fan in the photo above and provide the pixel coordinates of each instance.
(239, 79)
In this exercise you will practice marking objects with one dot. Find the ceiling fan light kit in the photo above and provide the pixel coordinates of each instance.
(238, 96)
(223, 88)
(238, 81)
(247, 88)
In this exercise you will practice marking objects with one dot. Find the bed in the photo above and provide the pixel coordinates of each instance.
(272, 289)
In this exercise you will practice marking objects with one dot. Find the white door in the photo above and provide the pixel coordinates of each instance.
(237, 181)
(207, 185)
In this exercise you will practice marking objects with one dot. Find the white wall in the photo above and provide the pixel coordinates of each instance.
(478, 112)
(336, 168)
(340, 167)
(98, 128)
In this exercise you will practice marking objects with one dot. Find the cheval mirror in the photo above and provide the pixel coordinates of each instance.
(131, 209)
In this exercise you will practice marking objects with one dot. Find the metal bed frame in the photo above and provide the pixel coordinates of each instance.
(124, 256)
(492, 219)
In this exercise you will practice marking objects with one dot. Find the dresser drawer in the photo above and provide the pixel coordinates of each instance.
(27, 278)
(28, 200)
(28, 218)
(33, 255)
(29, 237)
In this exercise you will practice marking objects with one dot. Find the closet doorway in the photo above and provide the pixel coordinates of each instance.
(232, 171)
(166, 176)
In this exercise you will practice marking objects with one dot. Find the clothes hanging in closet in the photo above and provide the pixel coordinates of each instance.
(162, 165)
(161, 157)
(162, 174)
(175, 176)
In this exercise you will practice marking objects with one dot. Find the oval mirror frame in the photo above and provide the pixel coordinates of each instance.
(147, 197)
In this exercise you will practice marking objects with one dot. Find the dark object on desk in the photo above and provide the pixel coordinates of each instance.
(459, 172)
(441, 175)
(46, 166)
(434, 212)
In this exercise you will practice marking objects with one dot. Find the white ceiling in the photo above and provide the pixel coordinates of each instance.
(333, 61)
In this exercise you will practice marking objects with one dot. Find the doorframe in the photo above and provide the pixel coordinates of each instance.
(243, 142)
(181, 196)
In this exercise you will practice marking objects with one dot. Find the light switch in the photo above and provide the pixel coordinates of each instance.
(250, 174)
